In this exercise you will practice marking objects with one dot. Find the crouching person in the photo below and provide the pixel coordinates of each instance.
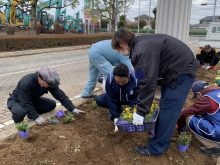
(121, 89)
(203, 117)
(26, 98)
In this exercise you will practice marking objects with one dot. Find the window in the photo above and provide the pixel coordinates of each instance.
(213, 29)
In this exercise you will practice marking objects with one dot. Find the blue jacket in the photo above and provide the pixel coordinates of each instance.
(122, 95)
(208, 125)
(103, 52)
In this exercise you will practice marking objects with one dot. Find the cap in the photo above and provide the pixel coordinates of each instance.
(199, 86)
(50, 76)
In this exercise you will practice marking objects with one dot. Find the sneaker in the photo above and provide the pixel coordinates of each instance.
(210, 151)
(142, 150)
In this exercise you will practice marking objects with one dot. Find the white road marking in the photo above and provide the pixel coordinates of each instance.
(23, 71)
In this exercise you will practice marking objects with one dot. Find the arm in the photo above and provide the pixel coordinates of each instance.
(26, 100)
(125, 60)
(201, 106)
(146, 63)
(59, 95)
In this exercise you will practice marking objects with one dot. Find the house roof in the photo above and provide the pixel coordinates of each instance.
(209, 18)
(143, 16)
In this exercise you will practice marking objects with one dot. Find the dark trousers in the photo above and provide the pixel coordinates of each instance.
(42, 105)
(213, 60)
(171, 104)
(115, 109)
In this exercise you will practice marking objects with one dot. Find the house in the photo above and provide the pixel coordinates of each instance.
(206, 20)
(144, 17)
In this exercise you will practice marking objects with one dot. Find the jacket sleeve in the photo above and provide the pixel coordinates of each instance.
(201, 106)
(125, 60)
(146, 61)
(26, 100)
(59, 95)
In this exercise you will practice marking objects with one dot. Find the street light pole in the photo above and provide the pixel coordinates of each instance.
(149, 17)
(213, 18)
(139, 11)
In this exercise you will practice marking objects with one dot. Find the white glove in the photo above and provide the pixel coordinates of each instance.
(40, 121)
(77, 111)
(138, 119)
(115, 123)
(207, 67)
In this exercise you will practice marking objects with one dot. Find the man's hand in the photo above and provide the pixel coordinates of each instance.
(78, 112)
(138, 119)
(40, 121)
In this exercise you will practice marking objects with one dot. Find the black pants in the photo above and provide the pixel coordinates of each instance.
(42, 105)
(212, 61)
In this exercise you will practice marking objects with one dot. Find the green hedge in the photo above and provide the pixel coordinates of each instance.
(16, 42)
(197, 32)
(142, 30)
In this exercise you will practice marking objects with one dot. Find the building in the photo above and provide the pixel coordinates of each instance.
(144, 17)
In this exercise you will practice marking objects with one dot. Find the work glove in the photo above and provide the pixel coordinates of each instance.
(138, 119)
(115, 123)
(207, 67)
(77, 111)
(40, 121)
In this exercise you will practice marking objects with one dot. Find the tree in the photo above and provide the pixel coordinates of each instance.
(122, 22)
(107, 8)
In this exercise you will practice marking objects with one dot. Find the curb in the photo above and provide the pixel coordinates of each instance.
(40, 51)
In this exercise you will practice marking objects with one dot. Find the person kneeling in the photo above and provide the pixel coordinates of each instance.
(121, 89)
(26, 98)
(203, 117)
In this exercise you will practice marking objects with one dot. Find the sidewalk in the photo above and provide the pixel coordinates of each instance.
(7, 126)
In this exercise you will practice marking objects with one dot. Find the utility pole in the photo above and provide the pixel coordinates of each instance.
(148, 29)
(139, 11)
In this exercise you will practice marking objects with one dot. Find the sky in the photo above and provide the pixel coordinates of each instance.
(197, 11)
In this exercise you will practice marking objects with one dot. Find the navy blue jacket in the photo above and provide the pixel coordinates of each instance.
(123, 95)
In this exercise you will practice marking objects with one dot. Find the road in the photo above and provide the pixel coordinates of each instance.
(71, 65)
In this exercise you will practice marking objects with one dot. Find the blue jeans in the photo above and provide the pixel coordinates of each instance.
(171, 104)
(115, 109)
(98, 64)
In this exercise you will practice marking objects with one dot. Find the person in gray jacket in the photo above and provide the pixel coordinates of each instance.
(158, 59)
(26, 98)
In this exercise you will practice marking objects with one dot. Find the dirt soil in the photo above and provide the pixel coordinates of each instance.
(90, 140)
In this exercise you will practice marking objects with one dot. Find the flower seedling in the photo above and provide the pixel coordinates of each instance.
(183, 141)
(94, 105)
(22, 130)
(184, 138)
(68, 118)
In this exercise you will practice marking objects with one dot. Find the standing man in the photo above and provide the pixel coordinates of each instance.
(102, 59)
(26, 98)
(121, 89)
(166, 61)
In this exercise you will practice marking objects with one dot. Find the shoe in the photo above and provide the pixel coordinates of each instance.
(142, 150)
(210, 151)
(88, 97)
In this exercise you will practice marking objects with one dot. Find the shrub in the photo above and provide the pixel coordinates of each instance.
(184, 138)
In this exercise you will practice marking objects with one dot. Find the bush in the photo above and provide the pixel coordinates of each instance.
(197, 32)
(142, 30)
(9, 43)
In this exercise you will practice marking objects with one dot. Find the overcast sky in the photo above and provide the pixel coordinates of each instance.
(197, 12)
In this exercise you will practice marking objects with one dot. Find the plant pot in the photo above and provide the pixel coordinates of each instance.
(60, 114)
(183, 148)
(23, 134)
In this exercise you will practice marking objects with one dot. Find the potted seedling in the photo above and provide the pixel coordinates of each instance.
(68, 118)
(60, 114)
(183, 141)
(22, 130)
